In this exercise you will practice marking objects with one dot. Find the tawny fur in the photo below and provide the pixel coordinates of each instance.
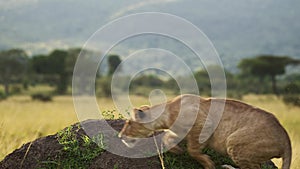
(248, 135)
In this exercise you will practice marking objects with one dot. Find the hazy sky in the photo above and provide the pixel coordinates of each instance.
(10, 4)
(236, 28)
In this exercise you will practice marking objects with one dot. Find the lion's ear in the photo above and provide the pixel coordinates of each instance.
(138, 114)
(145, 107)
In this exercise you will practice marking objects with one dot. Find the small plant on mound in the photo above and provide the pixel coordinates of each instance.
(112, 114)
(77, 152)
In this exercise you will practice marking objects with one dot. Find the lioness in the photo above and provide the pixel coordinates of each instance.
(248, 135)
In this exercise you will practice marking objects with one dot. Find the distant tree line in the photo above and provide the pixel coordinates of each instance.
(259, 75)
(54, 69)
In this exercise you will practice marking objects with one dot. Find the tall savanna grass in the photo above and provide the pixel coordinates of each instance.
(23, 120)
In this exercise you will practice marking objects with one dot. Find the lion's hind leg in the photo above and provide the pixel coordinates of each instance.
(241, 151)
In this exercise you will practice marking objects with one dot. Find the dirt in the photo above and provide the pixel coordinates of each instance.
(39, 153)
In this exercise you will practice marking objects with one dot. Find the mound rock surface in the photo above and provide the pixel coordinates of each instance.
(47, 150)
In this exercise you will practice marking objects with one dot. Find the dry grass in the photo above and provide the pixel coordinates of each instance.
(23, 120)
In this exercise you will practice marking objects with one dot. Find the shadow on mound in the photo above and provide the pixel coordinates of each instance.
(71, 148)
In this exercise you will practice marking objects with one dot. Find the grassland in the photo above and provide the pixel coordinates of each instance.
(23, 120)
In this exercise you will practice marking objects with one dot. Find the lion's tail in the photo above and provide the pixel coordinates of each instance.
(287, 156)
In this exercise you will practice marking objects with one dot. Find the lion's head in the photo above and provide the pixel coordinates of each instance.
(134, 128)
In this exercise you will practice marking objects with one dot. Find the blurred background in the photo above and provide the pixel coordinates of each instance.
(258, 43)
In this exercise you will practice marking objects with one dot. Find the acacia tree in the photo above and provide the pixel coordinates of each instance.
(13, 64)
(113, 63)
(266, 65)
(53, 64)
